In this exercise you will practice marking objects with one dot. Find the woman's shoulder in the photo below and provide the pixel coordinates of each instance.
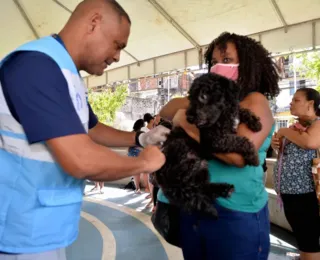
(314, 128)
(258, 104)
(255, 98)
(316, 122)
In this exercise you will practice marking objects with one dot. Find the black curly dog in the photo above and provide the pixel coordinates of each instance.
(214, 109)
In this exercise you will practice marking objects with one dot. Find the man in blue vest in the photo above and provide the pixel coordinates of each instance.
(51, 141)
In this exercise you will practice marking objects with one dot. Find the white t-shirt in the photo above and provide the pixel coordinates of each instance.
(145, 129)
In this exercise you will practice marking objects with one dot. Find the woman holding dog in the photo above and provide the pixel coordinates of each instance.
(293, 173)
(242, 230)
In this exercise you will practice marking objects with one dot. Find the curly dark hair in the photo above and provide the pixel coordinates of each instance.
(138, 125)
(257, 71)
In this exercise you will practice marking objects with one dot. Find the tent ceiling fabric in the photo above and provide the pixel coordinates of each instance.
(167, 35)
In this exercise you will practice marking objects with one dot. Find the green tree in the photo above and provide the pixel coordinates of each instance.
(310, 66)
(106, 103)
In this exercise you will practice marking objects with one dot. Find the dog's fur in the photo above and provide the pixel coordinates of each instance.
(214, 109)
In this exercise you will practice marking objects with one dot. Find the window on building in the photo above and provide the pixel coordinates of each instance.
(302, 83)
(291, 91)
(281, 124)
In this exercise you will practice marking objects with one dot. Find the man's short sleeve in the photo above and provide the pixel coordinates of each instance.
(38, 97)
(93, 120)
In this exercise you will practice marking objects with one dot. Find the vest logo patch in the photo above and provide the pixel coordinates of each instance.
(78, 101)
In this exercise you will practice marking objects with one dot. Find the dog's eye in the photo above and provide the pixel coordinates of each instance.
(203, 98)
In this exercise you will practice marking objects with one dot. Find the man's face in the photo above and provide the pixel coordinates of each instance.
(105, 43)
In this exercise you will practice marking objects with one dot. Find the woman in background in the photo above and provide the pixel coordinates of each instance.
(293, 172)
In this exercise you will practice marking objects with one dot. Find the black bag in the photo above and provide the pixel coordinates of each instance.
(130, 185)
(166, 220)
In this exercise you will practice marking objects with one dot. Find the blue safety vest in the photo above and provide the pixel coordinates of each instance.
(39, 203)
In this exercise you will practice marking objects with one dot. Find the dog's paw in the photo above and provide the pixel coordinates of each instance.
(204, 164)
(250, 119)
(191, 156)
(252, 159)
(255, 125)
(228, 190)
(215, 190)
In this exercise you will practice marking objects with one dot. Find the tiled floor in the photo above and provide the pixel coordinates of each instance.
(116, 225)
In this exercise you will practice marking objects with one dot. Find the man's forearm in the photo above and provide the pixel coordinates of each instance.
(82, 158)
(110, 137)
(118, 167)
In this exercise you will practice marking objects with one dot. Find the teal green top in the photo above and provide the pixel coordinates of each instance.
(250, 194)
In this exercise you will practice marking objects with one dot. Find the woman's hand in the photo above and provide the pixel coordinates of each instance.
(180, 119)
(282, 132)
(275, 142)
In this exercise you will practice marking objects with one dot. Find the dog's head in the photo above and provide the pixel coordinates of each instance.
(210, 96)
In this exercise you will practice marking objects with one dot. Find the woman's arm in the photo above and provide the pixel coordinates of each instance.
(259, 105)
(171, 108)
(255, 102)
(306, 140)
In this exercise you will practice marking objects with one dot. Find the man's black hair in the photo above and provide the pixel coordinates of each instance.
(119, 9)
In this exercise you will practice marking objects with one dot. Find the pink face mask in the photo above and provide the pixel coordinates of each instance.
(229, 71)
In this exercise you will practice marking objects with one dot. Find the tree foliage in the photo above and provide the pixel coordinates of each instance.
(106, 103)
(310, 66)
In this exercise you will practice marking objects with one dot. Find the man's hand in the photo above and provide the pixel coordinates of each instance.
(152, 158)
(155, 136)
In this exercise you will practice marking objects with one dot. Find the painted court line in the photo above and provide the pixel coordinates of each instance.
(172, 252)
(108, 240)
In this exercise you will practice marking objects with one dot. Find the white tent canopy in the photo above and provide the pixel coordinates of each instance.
(169, 35)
